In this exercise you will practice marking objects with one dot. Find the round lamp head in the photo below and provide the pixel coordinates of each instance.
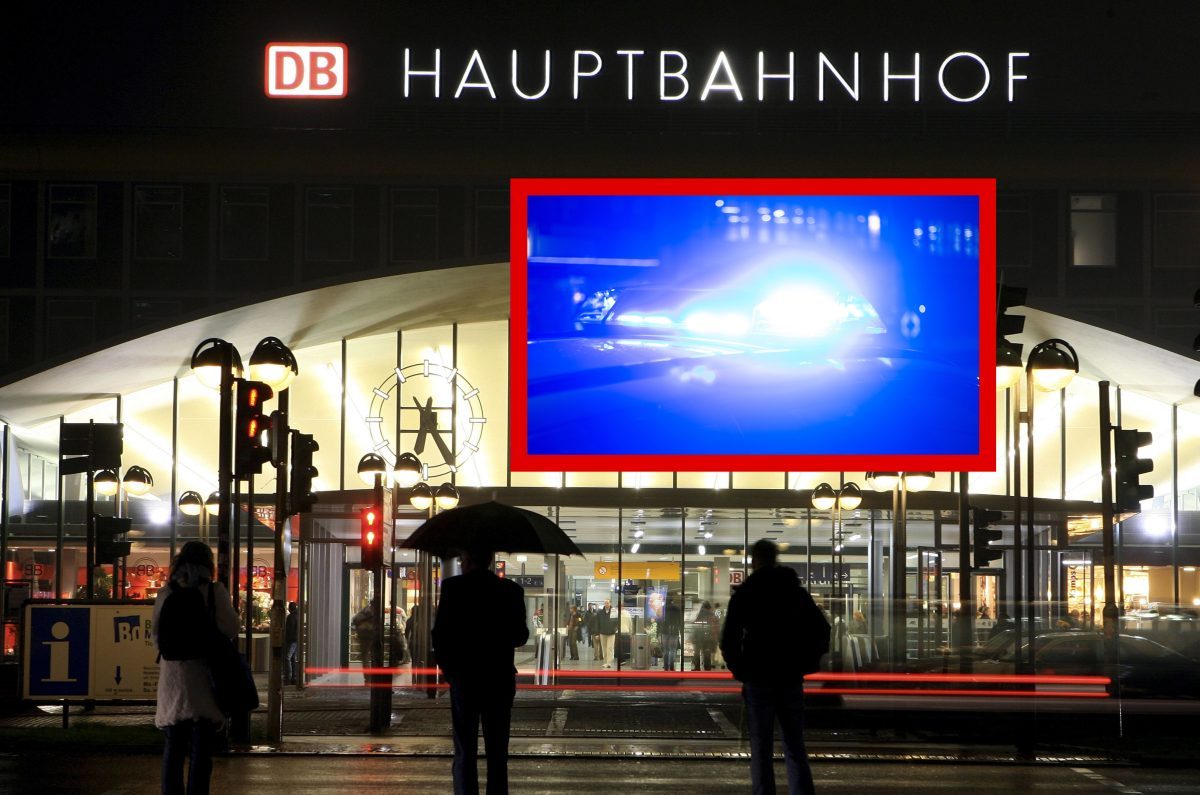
(1008, 365)
(191, 503)
(206, 362)
(212, 505)
(421, 497)
(273, 363)
(1052, 365)
(446, 496)
(849, 497)
(137, 481)
(917, 481)
(369, 466)
(883, 481)
(105, 482)
(408, 470)
(823, 497)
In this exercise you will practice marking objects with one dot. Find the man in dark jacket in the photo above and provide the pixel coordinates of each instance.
(480, 622)
(774, 634)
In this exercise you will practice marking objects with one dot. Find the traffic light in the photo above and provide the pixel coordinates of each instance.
(1008, 354)
(250, 449)
(278, 433)
(372, 538)
(1128, 494)
(108, 548)
(303, 472)
(984, 535)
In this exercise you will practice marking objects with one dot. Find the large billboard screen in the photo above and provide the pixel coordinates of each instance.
(729, 325)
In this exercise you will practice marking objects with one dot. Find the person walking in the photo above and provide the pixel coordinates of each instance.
(705, 627)
(606, 626)
(186, 709)
(573, 629)
(291, 643)
(366, 625)
(672, 627)
(480, 621)
(774, 634)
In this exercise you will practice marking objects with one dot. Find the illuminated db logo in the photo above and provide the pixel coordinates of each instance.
(306, 71)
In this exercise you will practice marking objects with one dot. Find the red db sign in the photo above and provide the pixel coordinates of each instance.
(306, 70)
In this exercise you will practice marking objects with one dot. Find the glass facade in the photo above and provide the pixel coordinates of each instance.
(655, 542)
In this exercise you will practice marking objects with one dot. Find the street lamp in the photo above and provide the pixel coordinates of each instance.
(274, 364)
(407, 472)
(137, 481)
(371, 467)
(1051, 366)
(191, 503)
(212, 505)
(106, 482)
(423, 498)
(446, 496)
(846, 498)
(900, 484)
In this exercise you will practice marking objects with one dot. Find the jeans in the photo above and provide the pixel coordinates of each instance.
(470, 704)
(194, 739)
(290, 666)
(765, 704)
(670, 651)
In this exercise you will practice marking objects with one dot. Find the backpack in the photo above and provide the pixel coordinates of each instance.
(183, 625)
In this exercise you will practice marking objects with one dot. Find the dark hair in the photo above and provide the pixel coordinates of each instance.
(196, 553)
(480, 555)
(765, 551)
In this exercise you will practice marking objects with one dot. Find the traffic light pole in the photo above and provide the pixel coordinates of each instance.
(1111, 615)
(224, 463)
(278, 583)
(965, 625)
(379, 682)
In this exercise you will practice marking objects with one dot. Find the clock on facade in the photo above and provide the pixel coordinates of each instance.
(440, 435)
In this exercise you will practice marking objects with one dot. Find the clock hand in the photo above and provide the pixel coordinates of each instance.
(447, 456)
(425, 426)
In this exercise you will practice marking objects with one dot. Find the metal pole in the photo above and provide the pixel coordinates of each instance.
(279, 581)
(899, 574)
(225, 464)
(4, 509)
(250, 570)
(1030, 532)
(90, 520)
(380, 684)
(1017, 557)
(964, 626)
(1110, 589)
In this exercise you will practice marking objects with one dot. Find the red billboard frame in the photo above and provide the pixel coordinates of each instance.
(521, 460)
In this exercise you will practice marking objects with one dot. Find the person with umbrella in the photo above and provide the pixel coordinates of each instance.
(480, 622)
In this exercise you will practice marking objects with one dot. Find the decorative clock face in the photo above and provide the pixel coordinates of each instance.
(436, 394)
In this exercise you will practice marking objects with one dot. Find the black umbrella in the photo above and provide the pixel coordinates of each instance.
(498, 527)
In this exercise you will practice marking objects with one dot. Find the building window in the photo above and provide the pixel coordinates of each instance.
(154, 310)
(491, 222)
(158, 222)
(5, 220)
(1176, 230)
(70, 324)
(245, 223)
(72, 222)
(414, 225)
(329, 225)
(1094, 230)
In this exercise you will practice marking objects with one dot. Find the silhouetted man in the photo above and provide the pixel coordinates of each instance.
(774, 634)
(480, 622)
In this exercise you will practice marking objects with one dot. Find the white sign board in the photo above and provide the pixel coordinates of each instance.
(75, 652)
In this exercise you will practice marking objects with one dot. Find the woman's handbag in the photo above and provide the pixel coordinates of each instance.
(232, 683)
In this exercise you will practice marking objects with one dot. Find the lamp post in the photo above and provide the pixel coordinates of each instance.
(372, 469)
(1050, 367)
(424, 498)
(136, 482)
(900, 484)
(846, 498)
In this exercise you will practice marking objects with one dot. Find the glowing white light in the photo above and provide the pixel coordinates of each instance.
(160, 515)
(701, 550)
(873, 223)
(778, 213)
(1157, 525)
(799, 311)
(727, 324)
(636, 546)
(720, 202)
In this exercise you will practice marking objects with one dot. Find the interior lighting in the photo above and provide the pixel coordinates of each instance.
(105, 482)
(421, 496)
(1052, 365)
(137, 481)
(700, 549)
(191, 503)
(636, 546)
(273, 363)
(446, 496)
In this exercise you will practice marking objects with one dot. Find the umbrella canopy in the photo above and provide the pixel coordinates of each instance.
(501, 528)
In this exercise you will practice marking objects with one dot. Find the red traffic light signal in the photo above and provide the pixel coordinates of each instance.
(251, 440)
(372, 538)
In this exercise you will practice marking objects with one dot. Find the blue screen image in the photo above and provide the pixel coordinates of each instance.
(753, 325)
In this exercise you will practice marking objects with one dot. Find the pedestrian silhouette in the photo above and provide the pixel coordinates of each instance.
(774, 634)
(480, 622)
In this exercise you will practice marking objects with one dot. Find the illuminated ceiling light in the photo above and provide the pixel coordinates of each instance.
(849, 497)
(1052, 365)
(917, 481)
(636, 546)
(421, 496)
(883, 481)
(273, 363)
(105, 482)
(407, 472)
(639, 533)
(213, 504)
(137, 481)
(823, 497)
(206, 362)
(700, 549)
(369, 466)
(191, 503)
(446, 496)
